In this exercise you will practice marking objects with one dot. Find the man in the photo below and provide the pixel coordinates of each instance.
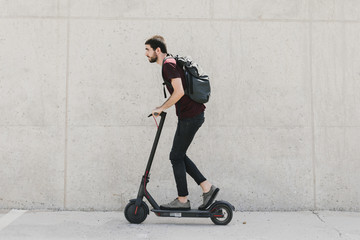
(190, 118)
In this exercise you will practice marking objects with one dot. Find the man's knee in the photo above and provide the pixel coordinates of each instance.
(176, 157)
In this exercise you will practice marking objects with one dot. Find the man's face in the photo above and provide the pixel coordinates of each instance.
(150, 53)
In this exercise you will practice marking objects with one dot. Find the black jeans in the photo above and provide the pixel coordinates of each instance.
(181, 163)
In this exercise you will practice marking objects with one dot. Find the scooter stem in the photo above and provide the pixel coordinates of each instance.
(145, 179)
(156, 141)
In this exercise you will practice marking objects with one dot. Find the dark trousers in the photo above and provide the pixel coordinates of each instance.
(181, 163)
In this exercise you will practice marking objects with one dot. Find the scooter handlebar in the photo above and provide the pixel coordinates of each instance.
(154, 114)
(157, 114)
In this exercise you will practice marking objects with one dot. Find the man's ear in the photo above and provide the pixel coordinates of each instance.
(158, 50)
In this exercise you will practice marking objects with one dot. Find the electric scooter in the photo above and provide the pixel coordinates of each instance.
(136, 211)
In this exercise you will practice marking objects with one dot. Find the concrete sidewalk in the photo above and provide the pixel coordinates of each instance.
(23, 225)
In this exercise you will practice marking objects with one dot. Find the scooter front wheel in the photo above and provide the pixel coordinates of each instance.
(221, 214)
(136, 215)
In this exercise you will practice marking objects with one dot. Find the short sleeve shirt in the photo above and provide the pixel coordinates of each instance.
(185, 107)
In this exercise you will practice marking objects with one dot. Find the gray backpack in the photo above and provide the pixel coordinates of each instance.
(197, 82)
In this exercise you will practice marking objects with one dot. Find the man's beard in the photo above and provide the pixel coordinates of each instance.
(153, 59)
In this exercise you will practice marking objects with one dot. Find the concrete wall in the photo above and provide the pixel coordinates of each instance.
(282, 128)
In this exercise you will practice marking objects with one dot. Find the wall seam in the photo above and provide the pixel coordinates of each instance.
(312, 107)
(66, 107)
(182, 19)
(212, 15)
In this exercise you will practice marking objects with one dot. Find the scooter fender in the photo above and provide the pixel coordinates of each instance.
(221, 202)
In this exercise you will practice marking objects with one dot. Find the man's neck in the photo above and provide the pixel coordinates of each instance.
(161, 58)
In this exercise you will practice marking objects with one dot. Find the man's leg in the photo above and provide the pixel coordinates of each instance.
(184, 135)
(181, 143)
(193, 171)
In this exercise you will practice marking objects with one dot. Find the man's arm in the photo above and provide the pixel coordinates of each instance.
(175, 96)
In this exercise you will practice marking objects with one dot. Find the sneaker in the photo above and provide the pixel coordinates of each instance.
(176, 205)
(209, 197)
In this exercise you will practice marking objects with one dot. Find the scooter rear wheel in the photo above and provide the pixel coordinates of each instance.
(136, 216)
(224, 210)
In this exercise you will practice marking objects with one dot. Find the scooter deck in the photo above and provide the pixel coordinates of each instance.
(182, 213)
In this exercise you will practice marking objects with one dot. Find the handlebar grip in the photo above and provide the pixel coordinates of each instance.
(156, 114)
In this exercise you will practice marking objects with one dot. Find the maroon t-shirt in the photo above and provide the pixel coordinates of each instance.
(185, 107)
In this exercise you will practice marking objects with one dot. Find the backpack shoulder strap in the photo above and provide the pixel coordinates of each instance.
(165, 82)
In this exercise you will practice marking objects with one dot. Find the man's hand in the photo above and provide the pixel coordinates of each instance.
(157, 111)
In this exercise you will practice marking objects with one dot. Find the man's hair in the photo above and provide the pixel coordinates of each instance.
(157, 41)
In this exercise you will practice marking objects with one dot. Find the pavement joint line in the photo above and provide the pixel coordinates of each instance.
(10, 217)
(318, 216)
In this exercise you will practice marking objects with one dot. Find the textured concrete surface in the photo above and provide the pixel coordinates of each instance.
(245, 225)
(282, 126)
